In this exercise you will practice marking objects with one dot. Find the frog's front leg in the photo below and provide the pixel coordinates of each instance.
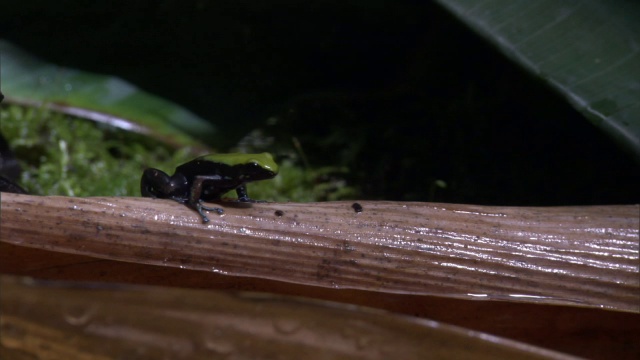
(242, 193)
(196, 192)
(244, 197)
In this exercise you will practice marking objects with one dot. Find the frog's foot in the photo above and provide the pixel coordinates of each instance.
(246, 199)
(201, 207)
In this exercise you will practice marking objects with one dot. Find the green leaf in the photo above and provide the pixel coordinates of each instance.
(587, 50)
(27, 80)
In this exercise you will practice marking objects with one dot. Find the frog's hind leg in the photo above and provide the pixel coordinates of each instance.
(153, 183)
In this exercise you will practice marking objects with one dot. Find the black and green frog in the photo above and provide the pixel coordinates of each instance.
(208, 178)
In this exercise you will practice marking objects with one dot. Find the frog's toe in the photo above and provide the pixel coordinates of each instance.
(216, 209)
(249, 200)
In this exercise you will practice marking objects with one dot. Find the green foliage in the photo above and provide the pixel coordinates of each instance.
(587, 50)
(29, 80)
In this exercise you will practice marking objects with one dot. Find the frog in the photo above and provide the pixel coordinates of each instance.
(208, 178)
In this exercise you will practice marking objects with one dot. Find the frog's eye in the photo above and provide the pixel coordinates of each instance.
(253, 167)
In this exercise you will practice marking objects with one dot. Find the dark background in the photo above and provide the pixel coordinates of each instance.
(399, 92)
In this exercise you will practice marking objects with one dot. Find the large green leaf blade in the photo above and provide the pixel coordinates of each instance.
(30, 81)
(588, 50)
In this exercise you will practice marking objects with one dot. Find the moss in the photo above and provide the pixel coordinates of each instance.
(62, 155)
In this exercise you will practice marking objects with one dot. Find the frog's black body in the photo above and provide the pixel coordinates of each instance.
(7, 185)
(222, 178)
(203, 180)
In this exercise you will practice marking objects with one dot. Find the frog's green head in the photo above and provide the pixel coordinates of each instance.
(252, 166)
(264, 161)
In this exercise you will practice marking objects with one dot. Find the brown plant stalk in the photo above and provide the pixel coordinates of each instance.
(583, 255)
